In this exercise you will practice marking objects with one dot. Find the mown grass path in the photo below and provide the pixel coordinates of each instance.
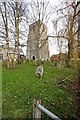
(20, 87)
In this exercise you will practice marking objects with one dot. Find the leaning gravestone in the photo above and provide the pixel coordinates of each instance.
(39, 71)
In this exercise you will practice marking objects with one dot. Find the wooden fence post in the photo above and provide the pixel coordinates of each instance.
(36, 111)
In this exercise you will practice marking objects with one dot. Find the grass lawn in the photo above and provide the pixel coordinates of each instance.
(20, 87)
(0, 89)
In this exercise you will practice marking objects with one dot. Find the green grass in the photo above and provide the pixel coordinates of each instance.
(0, 89)
(20, 87)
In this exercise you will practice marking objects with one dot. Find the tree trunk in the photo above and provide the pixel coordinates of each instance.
(7, 39)
(16, 49)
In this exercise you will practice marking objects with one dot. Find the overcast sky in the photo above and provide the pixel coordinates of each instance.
(53, 42)
(52, 45)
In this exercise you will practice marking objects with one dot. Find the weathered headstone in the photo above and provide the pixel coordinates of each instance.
(39, 71)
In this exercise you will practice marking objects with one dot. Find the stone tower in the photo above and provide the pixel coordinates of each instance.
(37, 44)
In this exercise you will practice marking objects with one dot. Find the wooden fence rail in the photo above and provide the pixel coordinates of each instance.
(37, 108)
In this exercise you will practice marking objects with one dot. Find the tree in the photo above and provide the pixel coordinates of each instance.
(67, 17)
(5, 21)
(14, 14)
(17, 12)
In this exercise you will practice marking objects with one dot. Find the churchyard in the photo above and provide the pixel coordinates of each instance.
(20, 87)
